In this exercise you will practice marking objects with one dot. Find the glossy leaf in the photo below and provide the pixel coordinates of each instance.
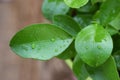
(108, 11)
(76, 3)
(112, 31)
(67, 24)
(107, 71)
(94, 45)
(54, 7)
(68, 53)
(79, 69)
(40, 41)
(116, 22)
(83, 19)
(88, 8)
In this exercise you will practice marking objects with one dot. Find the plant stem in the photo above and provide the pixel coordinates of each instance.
(69, 63)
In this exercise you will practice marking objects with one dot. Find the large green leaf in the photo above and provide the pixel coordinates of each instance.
(54, 7)
(40, 41)
(108, 11)
(94, 45)
(107, 71)
(76, 3)
(67, 23)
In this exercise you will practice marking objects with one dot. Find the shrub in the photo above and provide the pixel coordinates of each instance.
(87, 32)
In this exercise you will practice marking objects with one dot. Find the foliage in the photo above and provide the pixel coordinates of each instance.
(84, 31)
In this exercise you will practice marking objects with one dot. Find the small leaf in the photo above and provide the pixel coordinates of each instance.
(107, 71)
(76, 3)
(68, 53)
(54, 7)
(94, 45)
(40, 41)
(67, 24)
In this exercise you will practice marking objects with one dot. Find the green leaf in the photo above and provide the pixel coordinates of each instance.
(117, 59)
(83, 19)
(76, 3)
(54, 7)
(111, 30)
(67, 24)
(95, 1)
(79, 69)
(68, 53)
(107, 71)
(94, 45)
(40, 41)
(88, 8)
(116, 22)
(108, 11)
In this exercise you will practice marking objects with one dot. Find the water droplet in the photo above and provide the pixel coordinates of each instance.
(33, 46)
(60, 46)
(86, 47)
(67, 41)
(96, 24)
(56, 50)
(52, 39)
(105, 39)
(99, 47)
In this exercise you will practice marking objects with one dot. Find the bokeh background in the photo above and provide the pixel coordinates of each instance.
(14, 15)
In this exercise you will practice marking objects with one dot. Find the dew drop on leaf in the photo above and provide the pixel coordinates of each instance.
(52, 39)
(99, 47)
(33, 46)
(67, 41)
(60, 46)
(105, 39)
(56, 50)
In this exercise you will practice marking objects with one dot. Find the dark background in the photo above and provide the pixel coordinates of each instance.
(15, 14)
